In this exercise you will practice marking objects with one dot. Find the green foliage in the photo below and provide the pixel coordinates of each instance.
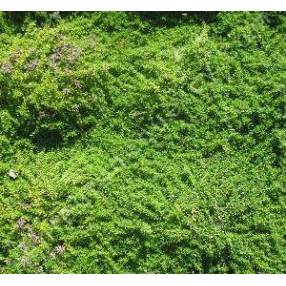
(142, 142)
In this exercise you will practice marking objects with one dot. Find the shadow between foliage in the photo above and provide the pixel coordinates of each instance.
(171, 19)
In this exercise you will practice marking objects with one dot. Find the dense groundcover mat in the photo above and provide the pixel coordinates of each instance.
(142, 142)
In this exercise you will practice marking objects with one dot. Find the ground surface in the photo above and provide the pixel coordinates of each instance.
(142, 143)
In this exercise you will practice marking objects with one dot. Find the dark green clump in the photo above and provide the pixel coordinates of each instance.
(142, 142)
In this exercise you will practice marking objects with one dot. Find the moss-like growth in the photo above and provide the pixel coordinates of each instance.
(142, 142)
